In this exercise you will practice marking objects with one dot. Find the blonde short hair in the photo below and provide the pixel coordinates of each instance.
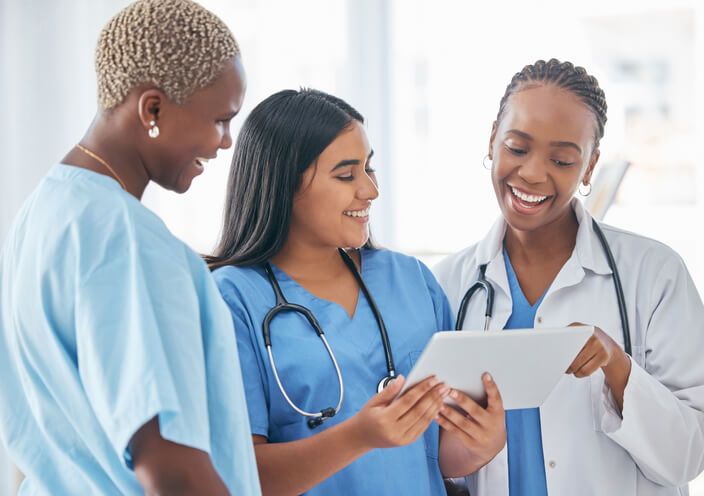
(176, 45)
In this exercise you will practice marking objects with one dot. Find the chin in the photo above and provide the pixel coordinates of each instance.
(356, 243)
(182, 185)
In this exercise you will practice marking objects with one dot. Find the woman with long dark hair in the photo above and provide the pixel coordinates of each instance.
(296, 240)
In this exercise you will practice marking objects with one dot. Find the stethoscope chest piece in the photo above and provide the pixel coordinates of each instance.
(384, 383)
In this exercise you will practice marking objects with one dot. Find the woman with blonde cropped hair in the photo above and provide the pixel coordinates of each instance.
(117, 356)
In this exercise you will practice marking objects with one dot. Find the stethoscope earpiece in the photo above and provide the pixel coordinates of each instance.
(324, 415)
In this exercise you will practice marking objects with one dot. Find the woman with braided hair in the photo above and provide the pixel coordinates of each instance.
(117, 356)
(628, 417)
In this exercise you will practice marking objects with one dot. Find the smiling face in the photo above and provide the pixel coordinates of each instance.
(542, 148)
(332, 205)
(192, 133)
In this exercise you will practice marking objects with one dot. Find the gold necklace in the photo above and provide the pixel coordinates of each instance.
(102, 161)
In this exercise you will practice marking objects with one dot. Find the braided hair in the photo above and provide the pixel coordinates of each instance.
(564, 75)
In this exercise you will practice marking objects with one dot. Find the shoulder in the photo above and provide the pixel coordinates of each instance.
(400, 268)
(239, 283)
(455, 264)
(635, 249)
(394, 262)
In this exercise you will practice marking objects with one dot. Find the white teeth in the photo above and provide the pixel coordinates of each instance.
(357, 213)
(527, 198)
(202, 161)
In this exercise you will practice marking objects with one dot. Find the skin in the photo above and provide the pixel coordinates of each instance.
(544, 145)
(198, 128)
(342, 180)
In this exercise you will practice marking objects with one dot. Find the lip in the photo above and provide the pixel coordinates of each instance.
(523, 207)
(526, 192)
(361, 220)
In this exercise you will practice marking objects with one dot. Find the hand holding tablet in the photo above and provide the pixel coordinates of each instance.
(526, 364)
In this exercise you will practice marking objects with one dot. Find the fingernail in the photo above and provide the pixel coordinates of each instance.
(453, 394)
(444, 391)
(488, 377)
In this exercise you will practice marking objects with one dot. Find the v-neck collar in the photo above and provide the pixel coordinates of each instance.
(291, 283)
(515, 285)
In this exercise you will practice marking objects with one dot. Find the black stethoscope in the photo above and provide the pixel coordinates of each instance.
(485, 285)
(282, 305)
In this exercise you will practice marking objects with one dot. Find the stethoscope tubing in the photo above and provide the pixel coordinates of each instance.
(483, 284)
(282, 305)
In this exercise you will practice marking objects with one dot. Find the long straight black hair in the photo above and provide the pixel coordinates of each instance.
(279, 140)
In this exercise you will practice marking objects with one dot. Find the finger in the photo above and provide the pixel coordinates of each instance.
(494, 400)
(413, 395)
(461, 422)
(584, 355)
(446, 424)
(576, 324)
(424, 409)
(415, 429)
(466, 403)
(387, 395)
(592, 365)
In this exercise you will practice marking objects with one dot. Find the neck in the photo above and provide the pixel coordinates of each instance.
(553, 241)
(309, 262)
(115, 144)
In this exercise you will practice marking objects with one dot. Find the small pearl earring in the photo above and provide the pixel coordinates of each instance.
(153, 129)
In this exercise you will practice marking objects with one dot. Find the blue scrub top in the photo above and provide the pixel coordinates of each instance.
(526, 464)
(413, 307)
(106, 321)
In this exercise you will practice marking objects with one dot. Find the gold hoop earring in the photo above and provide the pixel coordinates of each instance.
(153, 130)
(588, 192)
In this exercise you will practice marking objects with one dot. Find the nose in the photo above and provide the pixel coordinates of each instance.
(226, 141)
(368, 189)
(533, 170)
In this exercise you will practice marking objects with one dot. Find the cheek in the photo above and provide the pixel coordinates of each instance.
(502, 167)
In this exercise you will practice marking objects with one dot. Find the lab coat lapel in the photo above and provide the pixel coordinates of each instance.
(587, 254)
(490, 252)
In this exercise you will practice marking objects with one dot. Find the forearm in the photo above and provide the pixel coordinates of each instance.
(296, 466)
(165, 467)
(662, 430)
(454, 458)
(616, 375)
(184, 482)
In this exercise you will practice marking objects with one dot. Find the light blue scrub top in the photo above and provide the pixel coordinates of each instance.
(526, 465)
(108, 320)
(413, 307)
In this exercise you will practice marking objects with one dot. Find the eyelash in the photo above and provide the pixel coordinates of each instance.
(368, 170)
(520, 152)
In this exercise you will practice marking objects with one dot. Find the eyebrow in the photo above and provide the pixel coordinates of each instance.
(561, 144)
(345, 163)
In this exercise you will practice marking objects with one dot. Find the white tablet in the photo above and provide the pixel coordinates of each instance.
(526, 364)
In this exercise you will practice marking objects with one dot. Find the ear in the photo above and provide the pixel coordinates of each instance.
(149, 105)
(491, 141)
(587, 178)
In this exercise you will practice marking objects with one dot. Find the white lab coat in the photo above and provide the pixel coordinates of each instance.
(658, 445)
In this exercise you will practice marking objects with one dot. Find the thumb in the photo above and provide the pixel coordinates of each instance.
(390, 392)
